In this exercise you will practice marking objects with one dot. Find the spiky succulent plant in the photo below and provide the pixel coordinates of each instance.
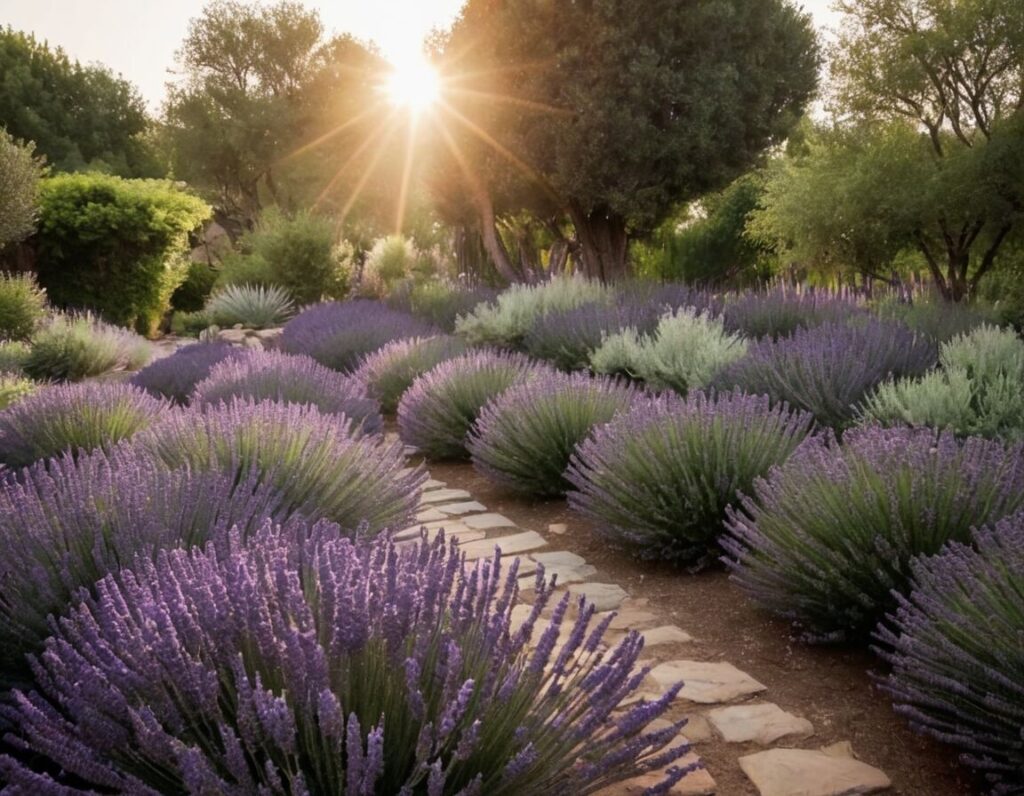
(254, 306)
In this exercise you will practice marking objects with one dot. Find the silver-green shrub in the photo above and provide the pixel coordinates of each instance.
(76, 347)
(254, 306)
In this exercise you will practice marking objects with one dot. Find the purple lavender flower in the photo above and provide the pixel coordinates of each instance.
(389, 372)
(74, 417)
(340, 334)
(176, 376)
(658, 479)
(955, 649)
(780, 311)
(223, 671)
(828, 537)
(525, 437)
(287, 378)
(436, 414)
(828, 370)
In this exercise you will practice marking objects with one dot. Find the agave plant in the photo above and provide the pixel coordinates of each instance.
(657, 480)
(74, 417)
(76, 347)
(954, 646)
(391, 371)
(254, 306)
(526, 436)
(287, 378)
(332, 669)
(176, 376)
(320, 464)
(826, 539)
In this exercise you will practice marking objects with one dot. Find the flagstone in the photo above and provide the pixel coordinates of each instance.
(706, 682)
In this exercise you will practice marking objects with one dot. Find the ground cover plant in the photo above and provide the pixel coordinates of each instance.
(828, 537)
(252, 306)
(68, 523)
(340, 334)
(436, 414)
(177, 375)
(362, 670)
(22, 306)
(76, 347)
(828, 370)
(74, 417)
(525, 437)
(321, 465)
(389, 372)
(657, 480)
(954, 646)
(273, 376)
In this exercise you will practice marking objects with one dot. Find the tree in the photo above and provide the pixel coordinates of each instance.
(80, 117)
(20, 172)
(614, 116)
(954, 71)
(267, 106)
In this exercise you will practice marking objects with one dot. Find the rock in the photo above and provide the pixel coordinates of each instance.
(604, 596)
(466, 507)
(270, 335)
(233, 336)
(431, 483)
(252, 342)
(666, 634)
(706, 683)
(486, 522)
(567, 567)
(628, 619)
(832, 771)
(431, 515)
(763, 723)
(443, 496)
(696, 783)
(558, 527)
(510, 545)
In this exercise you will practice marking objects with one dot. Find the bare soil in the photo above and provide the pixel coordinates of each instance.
(829, 686)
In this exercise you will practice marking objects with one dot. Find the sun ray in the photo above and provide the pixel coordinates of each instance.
(505, 98)
(330, 134)
(367, 173)
(370, 139)
(403, 194)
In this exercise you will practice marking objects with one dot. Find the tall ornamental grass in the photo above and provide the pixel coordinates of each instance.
(332, 669)
(389, 372)
(954, 645)
(75, 418)
(525, 437)
(657, 481)
(76, 347)
(828, 370)
(176, 376)
(323, 468)
(826, 539)
(288, 378)
(436, 414)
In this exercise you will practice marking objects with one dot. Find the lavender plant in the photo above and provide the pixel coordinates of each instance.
(780, 311)
(526, 436)
(826, 539)
(74, 417)
(176, 376)
(322, 467)
(828, 370)
(388, 373)
(76, 347)
(439, 303)
(436, 414)
(658, 480)
(67, 524)
(957, 661)
(288, 378)
(937, 318)
(343, 669)
(340, 335)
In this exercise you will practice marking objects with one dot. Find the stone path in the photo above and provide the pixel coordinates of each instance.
(719, 700)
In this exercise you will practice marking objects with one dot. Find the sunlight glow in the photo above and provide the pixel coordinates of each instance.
(413, 84)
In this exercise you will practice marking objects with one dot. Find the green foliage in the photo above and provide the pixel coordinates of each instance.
(939, 319)
(296, 253)
(389, 372)
(190, 324)
(14, 388)
(390, 261)
(191, 295)
(686, 351)
(250, 305)
(78, 116)
(115, 246)
(20, 173)
(13, 354)
(76, 347)
(506, 321)
(978, 391)
(22, 306)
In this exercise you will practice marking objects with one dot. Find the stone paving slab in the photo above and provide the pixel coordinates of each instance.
(705, 682)
(465, 507)
(830, 771)
(443, 496)
(762, 723)
(486, 522)
(510, 545)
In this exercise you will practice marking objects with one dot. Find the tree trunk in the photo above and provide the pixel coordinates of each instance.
(493, 244)
(603, 243)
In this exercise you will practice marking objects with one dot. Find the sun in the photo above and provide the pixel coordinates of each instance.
(413, 84)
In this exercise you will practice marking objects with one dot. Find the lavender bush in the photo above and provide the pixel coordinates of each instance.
(525, 437)
(436, 414)
(76, 347)
(356, 670)
(957, 661)
(65, 525)
(340, 334)
(74, 417)
(657, 480)
(439, 303)
(287, 378)
(388, 373)
(828, 537)
(780, 311)
(828, 370)
(322, 467)
(176, 376)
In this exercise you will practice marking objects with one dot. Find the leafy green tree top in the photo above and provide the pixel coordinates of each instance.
(20, 171)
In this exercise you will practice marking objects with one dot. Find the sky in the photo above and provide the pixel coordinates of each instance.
(138, 38)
